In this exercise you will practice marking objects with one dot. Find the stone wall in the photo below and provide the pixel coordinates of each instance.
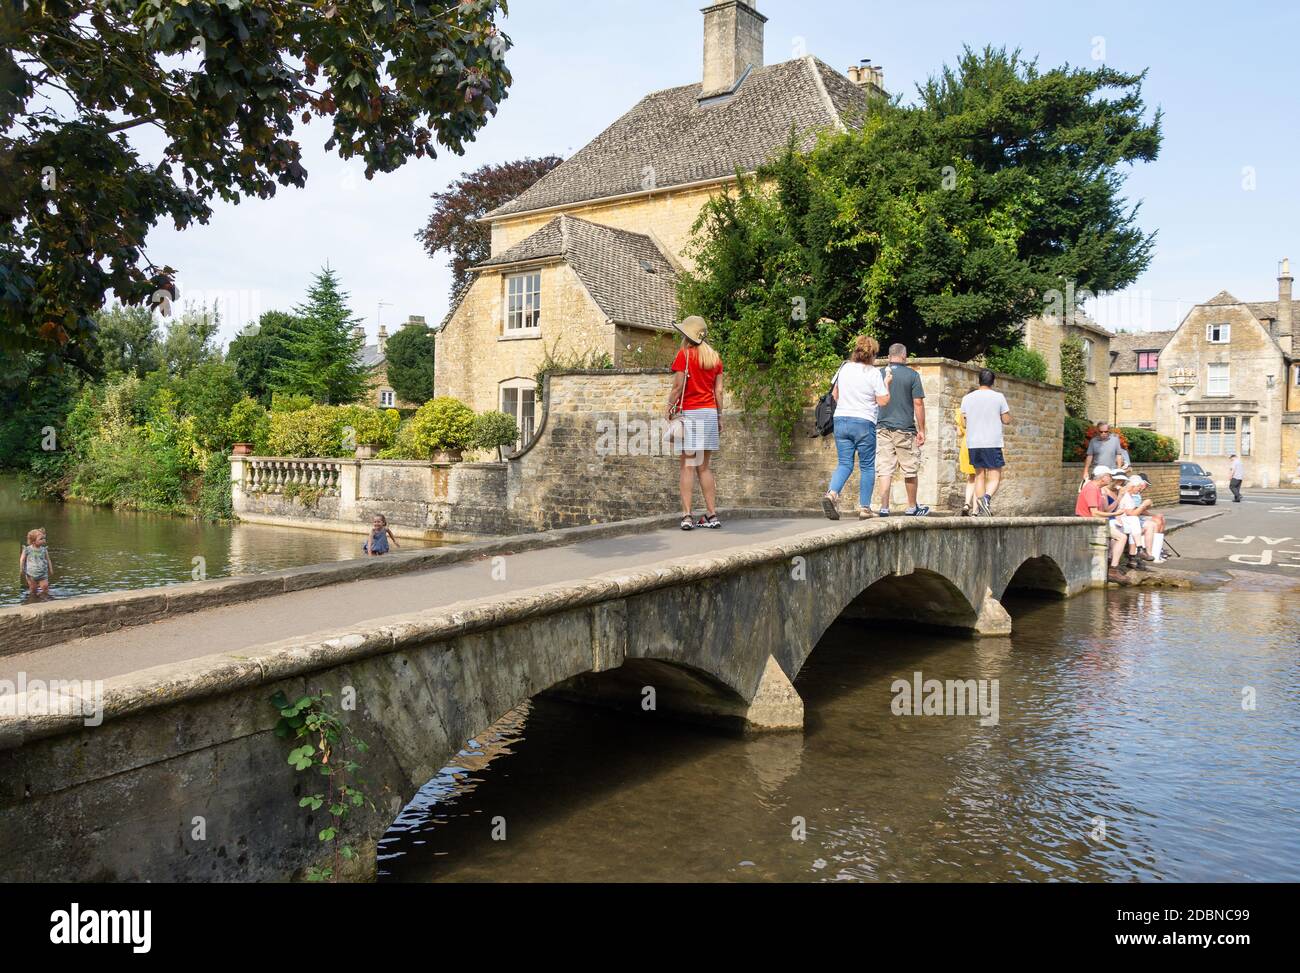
(1044, 335)
(599, 453)
(599, 456)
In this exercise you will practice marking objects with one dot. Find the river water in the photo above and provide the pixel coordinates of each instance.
(97, 549)
(1122, 752)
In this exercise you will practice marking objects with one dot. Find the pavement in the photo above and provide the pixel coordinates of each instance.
(1260, 535)
(231, 628)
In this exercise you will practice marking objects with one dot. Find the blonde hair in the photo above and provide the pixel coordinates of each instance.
(865, 349)
(705, 354)
(34, 533)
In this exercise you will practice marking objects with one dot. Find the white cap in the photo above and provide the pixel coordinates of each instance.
(1119, 478)
(1102, 471)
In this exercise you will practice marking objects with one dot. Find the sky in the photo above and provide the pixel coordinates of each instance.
(1224, 195)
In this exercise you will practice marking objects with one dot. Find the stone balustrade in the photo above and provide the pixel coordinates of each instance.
(273, 474)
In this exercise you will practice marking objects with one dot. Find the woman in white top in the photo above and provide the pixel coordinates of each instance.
(859, 392)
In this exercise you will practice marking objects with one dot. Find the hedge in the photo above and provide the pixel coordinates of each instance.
(1143, 445)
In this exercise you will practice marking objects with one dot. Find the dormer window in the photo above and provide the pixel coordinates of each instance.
(1148, 361)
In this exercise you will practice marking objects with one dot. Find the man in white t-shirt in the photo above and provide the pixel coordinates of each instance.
(985, 412)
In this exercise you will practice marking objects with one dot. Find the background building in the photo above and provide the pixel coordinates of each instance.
(374, 358)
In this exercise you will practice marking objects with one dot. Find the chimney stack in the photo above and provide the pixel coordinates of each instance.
(383, 338)
(733, 43)
(359, 333)
(415, 321)
(1285, 329)
(869, 77)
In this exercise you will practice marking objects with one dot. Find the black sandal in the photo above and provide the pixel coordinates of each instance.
(710, 521)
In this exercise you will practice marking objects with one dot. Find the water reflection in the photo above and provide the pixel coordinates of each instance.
(95, 549)
(1122, 752)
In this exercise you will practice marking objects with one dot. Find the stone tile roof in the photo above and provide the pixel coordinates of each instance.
(1125, 346)
(1267, 310)
(673, 138)
(626, 273)
(371, 356)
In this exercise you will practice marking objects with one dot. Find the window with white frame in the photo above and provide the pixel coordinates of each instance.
(1087, 359)
(386, 398)
(1218, 334)
(523, 303)
(1216, 381)
(1297, 376)
(1214, 436)
(519, 401)
(1245, 435)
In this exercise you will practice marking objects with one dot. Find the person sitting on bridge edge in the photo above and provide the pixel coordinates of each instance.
(1131, 507)
(34, 564)
(860, 392)
(1153, 524)
(986, 413)
(380, 534)
(695, 405)
(901, 432)
(1096, 503)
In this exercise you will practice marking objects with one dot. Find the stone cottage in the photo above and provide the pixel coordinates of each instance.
(1226, 381)
(584, 263)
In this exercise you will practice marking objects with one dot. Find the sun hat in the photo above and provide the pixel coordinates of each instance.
(694, 329)
(1102, 471)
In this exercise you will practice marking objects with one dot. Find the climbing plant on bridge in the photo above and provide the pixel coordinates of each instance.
(324, 740)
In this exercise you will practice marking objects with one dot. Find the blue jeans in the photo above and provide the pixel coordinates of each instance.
(855, 436)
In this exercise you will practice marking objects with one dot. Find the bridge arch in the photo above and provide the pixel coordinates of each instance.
(1039, 575)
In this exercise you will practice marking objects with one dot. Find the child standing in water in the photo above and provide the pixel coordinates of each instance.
(34, 564)
(380, 535)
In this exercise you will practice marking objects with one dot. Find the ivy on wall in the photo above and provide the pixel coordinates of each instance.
(1074, 373)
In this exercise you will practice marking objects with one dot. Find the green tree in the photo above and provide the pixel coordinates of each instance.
(256, 351)
(409, 355)
(223, 87)
(321, 348)
(942, 224)
(190, 341)
(126, 341)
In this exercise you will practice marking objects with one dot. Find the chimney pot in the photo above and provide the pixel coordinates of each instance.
(733, 43)
(1285, 330)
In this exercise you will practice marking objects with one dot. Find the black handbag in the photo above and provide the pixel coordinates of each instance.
(824, 414)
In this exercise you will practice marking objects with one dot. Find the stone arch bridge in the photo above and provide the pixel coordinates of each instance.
(186, 749)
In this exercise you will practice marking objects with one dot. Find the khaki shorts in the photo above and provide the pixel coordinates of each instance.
(896, 450)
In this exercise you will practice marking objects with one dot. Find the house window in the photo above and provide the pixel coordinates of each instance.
(1245, 435)
(1215, 436)
(1087, 359)
(1148, 361)
(1217, 379)
(386, 398)
(1187, 435)
(519, 400)
(1297, 376)
(523, 302)
(1218, 334)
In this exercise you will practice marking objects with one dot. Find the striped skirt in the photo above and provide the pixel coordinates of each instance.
(701, 430)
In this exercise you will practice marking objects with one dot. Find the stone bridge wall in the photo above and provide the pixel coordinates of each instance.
(119, 801)
(599, 456)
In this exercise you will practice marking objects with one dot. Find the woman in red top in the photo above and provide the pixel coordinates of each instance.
(697, 391)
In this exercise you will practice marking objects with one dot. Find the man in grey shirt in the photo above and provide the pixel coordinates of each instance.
(1104, 450)
(900, 432)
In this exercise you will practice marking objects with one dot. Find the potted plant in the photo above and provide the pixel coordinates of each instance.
(442, 429)
(494, 430)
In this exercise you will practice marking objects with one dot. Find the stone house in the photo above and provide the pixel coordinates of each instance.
(1226, 381)
(374, 358)
(1045, 334)
(584, 263)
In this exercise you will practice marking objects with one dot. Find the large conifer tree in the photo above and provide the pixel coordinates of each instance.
(322, 351)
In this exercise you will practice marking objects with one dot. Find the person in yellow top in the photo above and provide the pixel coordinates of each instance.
(964, 464)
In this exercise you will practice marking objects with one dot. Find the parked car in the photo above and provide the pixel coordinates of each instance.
(1195, 485)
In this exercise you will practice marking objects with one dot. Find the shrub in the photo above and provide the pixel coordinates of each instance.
(215, 500)
(371, 427)
(1145, 446)
(444, 423)
(1074, 377)
(290, 402)
(493, 430)
(1018, 362)
(317, 431)
(1075, 441)
(248, 422)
